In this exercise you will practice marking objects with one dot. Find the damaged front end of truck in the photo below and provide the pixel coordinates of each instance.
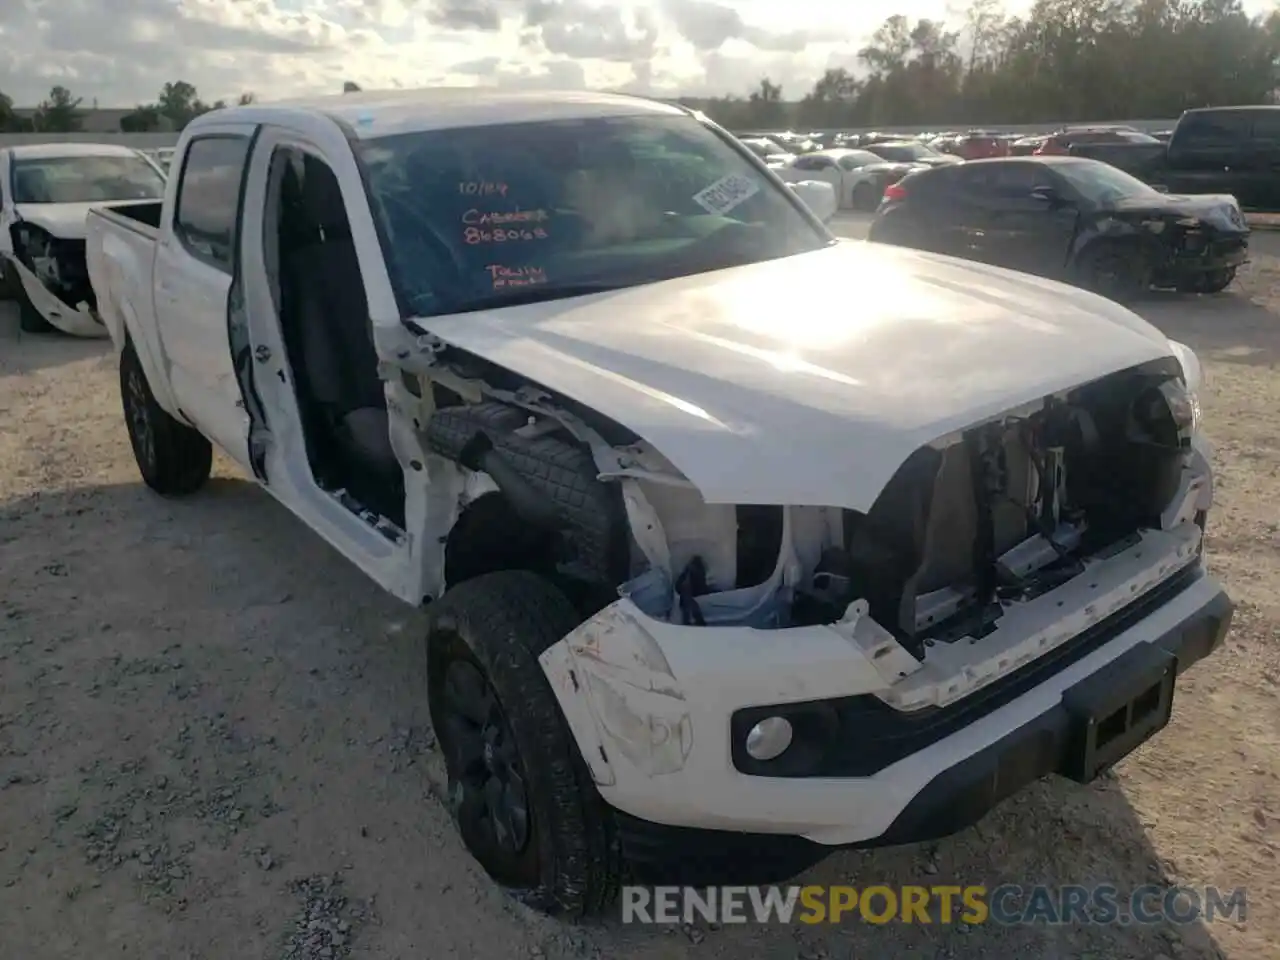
(989, 549)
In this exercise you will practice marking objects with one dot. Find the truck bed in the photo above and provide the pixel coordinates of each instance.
(120, 251)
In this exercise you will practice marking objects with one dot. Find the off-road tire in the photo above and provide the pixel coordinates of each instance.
(500, 623)
(29, 318)
(1115, 269)
(865, 197)
(1213, 281)
(173, 459)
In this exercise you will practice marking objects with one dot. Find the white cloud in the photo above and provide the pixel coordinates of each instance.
(120, 52)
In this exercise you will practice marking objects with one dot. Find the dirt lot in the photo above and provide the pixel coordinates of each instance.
(214, 744)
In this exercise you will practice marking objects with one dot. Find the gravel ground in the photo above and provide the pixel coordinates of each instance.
(214, 741)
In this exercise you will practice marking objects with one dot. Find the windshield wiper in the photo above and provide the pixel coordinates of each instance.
(541, 293)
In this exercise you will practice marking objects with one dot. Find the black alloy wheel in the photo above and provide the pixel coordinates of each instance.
(487, 785)
(137, 403)
(1118, 271)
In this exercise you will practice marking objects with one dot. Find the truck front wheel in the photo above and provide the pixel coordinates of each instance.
(172, 458)
(519, 791)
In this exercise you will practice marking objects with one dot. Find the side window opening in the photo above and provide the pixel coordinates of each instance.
(811, 163)
(1018, 180)
(209, 198)
(325, 325)
(1212, 130)
(1266, 126)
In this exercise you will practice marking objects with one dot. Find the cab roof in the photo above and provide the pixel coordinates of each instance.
(373, 114)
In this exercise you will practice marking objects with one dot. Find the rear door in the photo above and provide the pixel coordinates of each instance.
(958, 202)
(1209, 153)
(194, 270)
(939, 213)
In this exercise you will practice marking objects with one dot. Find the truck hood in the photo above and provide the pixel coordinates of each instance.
(64, 220)
(808, 380)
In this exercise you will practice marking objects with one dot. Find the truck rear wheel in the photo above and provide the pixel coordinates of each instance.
(519, 791)
(172, 458)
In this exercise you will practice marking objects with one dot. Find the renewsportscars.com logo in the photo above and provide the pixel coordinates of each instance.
(1008, 904)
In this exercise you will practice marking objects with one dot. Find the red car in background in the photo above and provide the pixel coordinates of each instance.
(1059, 144)
(981, 145)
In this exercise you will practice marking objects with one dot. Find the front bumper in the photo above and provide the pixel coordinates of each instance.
(1210, 254)
(961, 794)
(971, 771)
(73, 321)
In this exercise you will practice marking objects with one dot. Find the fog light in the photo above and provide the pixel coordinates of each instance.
(769, 738)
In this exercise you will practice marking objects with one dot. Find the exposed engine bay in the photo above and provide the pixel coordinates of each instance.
(1004, 512)
(59, 264)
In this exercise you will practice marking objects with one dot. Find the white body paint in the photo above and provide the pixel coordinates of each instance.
(814, 415)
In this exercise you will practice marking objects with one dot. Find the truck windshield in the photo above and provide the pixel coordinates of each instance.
(85, 180)
(477, 217)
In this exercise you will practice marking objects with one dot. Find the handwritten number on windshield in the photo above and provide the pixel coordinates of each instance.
(503, 226)
(474, 235)
(482, 188)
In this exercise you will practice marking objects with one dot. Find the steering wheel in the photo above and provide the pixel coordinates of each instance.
(411, 226)
(732, 235)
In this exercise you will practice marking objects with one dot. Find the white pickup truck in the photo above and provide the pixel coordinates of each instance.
(711, 594)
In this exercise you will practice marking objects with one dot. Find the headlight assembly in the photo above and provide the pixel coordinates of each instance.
(1189, 415)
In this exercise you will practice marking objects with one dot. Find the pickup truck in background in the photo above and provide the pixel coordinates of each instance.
(712, 588)
(1232, 150)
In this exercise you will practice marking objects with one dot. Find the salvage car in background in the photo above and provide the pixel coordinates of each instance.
(857, 176)
(1060, 144)
(1026, 146)
(162, 157)
(767, 150)
(47, 190)
(712, 592)
(911, 151)
(1070, 219)
(980, 145)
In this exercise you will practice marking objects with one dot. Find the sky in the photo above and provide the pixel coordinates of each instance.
(120, 52)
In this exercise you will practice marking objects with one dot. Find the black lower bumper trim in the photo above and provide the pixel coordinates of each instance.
(955, 798)
(961, 795)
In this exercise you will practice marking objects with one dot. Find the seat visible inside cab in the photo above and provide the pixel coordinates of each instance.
(324, 318)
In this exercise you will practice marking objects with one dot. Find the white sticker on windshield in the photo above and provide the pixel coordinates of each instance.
(726, 193)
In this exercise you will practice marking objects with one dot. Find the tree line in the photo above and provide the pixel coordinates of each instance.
(1065, 60)
(177, 105)
(61, 112)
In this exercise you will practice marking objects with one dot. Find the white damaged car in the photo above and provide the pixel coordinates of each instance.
(711, 593)
(45, 192)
